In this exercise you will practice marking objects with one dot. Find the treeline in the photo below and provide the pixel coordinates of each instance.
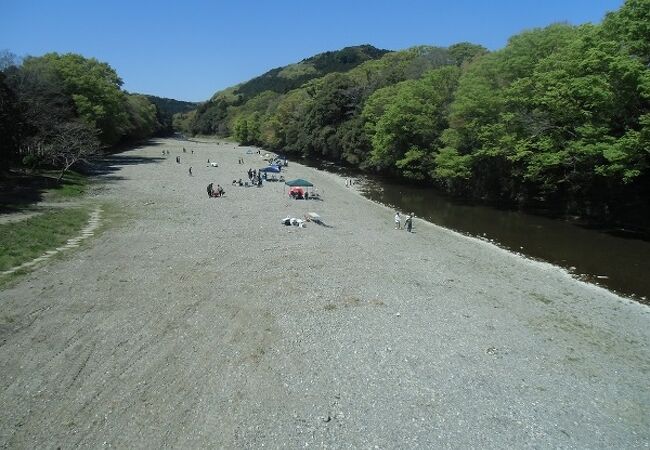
(56, 110)
(560, 116)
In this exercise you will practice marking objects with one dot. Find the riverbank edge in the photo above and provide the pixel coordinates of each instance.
(357, 189)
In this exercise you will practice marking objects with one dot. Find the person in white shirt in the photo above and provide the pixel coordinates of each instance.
(398, 221)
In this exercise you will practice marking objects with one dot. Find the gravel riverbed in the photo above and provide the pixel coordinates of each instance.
(203, 322)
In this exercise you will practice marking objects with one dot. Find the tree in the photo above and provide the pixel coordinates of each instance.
(8, 59)
(405, 122)
(74, 142)
(95, 90)
(143, 117)
(464, 52)
(631, 25)
(10, 125)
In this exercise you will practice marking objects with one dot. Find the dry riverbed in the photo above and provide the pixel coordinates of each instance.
(202, 322)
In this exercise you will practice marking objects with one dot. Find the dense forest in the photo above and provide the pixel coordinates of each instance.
(57, 110)
(560, 117)
(166, 108)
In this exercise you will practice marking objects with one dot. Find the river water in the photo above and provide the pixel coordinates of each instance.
(617, 263)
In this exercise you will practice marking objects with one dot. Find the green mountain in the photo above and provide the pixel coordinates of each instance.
(287, 78)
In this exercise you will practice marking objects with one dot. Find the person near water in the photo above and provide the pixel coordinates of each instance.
(398, 220)
(409, 222)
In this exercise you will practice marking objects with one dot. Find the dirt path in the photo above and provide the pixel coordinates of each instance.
(205, 323)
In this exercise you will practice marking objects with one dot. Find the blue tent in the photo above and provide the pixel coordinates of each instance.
(272, 169)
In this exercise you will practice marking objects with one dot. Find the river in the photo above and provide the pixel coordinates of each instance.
(618, 263)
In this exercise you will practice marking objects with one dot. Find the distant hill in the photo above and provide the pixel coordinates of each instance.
(284, 79)
(166, 108)
(169, 106)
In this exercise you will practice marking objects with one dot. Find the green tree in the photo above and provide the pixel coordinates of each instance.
(631, 25)
(464, 52)
(143, 119)
(405, 122)
(95, 89)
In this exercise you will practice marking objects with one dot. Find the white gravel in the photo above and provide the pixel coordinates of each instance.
(204, 322)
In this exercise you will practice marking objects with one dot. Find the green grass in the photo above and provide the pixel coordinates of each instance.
(72, 185)
(30, 238)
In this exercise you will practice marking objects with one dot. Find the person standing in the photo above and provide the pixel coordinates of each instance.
(398, 220)
(210, 189)
(409, 222)
(190, 170)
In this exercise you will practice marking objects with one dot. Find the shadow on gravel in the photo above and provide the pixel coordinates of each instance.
(20, 190)
(105, 167)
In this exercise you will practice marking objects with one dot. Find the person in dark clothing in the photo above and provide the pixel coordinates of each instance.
(210, 189)
(409, 222)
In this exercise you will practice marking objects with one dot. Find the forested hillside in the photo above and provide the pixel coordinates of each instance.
(209, 116)
(56, 110)
(165, 110)
(560, 116)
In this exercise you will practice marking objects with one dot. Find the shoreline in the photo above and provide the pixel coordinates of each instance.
(496, 245)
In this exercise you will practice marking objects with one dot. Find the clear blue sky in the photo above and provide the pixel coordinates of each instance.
(190, 49)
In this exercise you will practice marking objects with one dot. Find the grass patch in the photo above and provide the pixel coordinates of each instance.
(20, 191)
(30, 238)
(73, 184)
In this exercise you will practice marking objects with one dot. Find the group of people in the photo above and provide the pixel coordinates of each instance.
(212, 192)
(349, 182)
(255, 177)
(408, 222)
(298, 195)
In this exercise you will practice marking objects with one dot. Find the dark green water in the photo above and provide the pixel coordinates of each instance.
(617, 263)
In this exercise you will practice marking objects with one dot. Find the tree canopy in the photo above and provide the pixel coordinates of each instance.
(56, 110)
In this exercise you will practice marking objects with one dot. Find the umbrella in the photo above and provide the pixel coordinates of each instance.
(299, 182)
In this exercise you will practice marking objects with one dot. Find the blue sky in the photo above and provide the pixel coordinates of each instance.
(190, 49)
